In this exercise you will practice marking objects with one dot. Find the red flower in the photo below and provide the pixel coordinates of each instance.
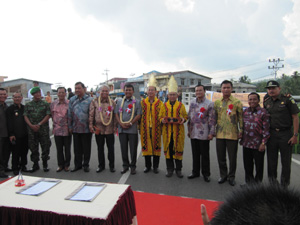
(130, 106)
(202, 109)
(109, 108)
(230, 106)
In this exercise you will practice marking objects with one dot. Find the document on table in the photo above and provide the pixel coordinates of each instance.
(39, 187)
(86, 192)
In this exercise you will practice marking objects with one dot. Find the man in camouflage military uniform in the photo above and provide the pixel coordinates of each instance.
(36, 115)
(283, 116)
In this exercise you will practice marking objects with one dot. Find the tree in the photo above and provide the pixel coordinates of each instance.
(244, 79)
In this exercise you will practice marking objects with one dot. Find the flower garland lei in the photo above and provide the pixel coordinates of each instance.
(128, 110)
(108, 113)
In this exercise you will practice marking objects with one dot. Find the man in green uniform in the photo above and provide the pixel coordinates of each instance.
(36, 115)
(283, 116)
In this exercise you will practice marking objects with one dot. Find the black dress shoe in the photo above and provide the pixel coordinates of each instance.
(112, 170)
(124, 171)
(24, 169)
(206, 179)
(8, 169)
(222, 180)
(231, 182)
(100, 169)
(155, 170)
(59, 169)
(34, 168)
(179, 174)
(76, 169)
(146, 170)
(169, 173)
(192, 176)
(133, 171)
(3, 175)
(86, 169)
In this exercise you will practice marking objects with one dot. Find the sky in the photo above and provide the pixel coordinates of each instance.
(65, 41)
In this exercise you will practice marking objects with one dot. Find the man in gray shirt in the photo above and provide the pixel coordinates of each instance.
(128, 112)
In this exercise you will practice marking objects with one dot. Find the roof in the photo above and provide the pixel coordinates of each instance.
(185, 71)
(19, 79)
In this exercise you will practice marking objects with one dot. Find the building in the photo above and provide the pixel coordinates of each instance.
(237, 87)
(23, 85)
(186, 80)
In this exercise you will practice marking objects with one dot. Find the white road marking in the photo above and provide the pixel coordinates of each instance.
(296, 161)
(125, 176)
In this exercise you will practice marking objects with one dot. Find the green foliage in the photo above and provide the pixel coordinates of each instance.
(288, 84)
(244, 79)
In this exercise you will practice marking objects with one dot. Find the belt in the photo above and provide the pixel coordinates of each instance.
(280, 129)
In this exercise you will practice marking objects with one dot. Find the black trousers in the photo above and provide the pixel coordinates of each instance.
(4, 154)
(231, 146)
(132, 139)
(279, 142)
(253, 157)
(170, 161)
(82, 149)
(148, 162)
(19, 153)
(200, 151)
(63, 150)
(110, 143)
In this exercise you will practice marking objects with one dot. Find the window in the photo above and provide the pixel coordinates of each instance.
(192, 81)
(199, 82)
(182, 81)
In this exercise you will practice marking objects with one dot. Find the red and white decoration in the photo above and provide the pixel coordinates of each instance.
(229, 110)
(201, 113)
(128, 110)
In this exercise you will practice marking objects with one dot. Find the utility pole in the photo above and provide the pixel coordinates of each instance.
(106, 70)
(275, 67)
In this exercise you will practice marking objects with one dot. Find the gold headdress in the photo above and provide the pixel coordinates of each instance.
(172, 85)
(152, 81)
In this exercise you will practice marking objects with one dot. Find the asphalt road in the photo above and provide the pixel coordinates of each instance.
(159, 183)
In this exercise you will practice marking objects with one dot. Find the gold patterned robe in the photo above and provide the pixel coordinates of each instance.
(178, 129)
(150, 119)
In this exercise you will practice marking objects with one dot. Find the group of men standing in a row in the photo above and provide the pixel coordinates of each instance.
(81, 116)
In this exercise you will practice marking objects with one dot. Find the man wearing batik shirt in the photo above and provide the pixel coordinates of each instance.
(78, 122)
(62, 137)
(229, 115)
(255, 136)
(103, 123)
(201, 129)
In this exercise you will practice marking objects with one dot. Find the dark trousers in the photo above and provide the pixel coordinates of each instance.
(148, 162)
(253, 157)
(4, 153)
(34, 139)
(132, 139)
(63, 150)
(279, 142)
(110, 143)
(231, 146)
(82, 149)
(170, 161)
(19, 153)
(200, 151)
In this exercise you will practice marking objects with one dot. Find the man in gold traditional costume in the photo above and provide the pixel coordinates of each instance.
(150, 127)
(173, 114)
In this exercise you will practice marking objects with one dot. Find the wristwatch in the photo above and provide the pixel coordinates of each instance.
(296, 134)
(39, 124)
(130, 124)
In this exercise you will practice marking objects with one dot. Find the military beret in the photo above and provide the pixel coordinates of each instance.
(35, 90)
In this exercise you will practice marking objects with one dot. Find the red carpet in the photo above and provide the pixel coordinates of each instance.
(170, 210)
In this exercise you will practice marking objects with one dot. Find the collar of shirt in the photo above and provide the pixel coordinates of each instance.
(255, 110)
(83, 97)
(279, 97)
(64, 102)
(16, 105)
(104, 100)
(128, 99)
(201, 100)
(230, 98)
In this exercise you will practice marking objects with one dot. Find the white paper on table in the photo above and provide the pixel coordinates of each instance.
(86, 192)
(39, 187)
